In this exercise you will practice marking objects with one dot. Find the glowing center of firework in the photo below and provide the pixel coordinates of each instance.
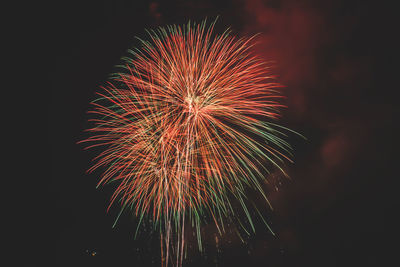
(193, 104)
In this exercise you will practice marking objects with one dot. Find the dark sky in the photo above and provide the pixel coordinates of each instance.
(331, 57)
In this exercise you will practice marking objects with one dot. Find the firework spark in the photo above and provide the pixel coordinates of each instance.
(186, 126)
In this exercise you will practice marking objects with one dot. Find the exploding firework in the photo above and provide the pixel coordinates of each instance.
(186, 126)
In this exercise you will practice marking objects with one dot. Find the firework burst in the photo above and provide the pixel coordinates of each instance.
(186, 126)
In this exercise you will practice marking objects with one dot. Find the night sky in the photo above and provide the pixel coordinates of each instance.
(330, 56)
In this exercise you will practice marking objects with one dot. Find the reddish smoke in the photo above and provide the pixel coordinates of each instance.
(290, 36)
(153, 9)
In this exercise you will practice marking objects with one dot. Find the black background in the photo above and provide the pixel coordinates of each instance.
(332, 57)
